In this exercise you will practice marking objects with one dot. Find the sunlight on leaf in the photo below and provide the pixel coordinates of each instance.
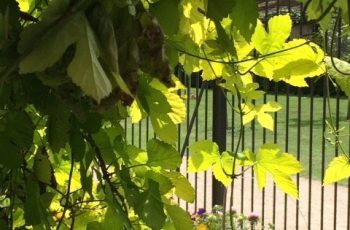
(280, 166)
(203, 154)
(338, 169)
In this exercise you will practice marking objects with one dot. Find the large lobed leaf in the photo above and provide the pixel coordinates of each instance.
(270, 160)
(291, 61)
(162, 154)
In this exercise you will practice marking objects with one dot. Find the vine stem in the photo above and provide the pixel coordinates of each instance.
(106, 177)
(338, 144)
(66, 204)
(237, 62)
(233, 176)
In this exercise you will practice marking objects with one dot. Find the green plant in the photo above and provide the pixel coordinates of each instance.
(72, 70)
(214, 220)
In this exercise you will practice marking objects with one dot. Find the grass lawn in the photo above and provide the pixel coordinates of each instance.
(299, 129)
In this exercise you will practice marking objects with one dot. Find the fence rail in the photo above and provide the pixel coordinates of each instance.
(299, 129)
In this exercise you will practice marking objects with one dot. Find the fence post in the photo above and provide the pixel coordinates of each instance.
(219, 136)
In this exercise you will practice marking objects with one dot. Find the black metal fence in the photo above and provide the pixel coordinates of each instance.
(300, 129)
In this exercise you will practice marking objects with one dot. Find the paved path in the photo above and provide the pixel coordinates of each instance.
(342, 204)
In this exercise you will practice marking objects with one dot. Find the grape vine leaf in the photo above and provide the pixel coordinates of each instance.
(280, 166)
(34, 210)
(136, 112)
(279, 29)
(58, 124)
(282, 59)
(105, 145)
(20, 129)
(180, 218)
(338, 169)
(217, 10)
(162, 154)
(77, 144)
(167, 14)
(164, 127)
(150, 206)
(244, 17)
(260, 112)
(222, 169)
(183, 188)
(42, 166)
(112, 220)
(164, 182)
(203, 154)
(10, 155)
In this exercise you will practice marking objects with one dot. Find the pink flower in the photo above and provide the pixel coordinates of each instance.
(253, 217)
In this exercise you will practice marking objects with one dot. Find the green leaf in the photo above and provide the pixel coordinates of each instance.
(279, 30)
(244, 17)
(112, 220)
(150, 206)
(223, 168)
(162, 154)
(281, 166)
(226, 43)
(135, 155)
(338, 169)
(20, 129)
(183, 188)
(342, 80)
(135, 112)
(42, 166)
(203, 155)
(58, 124)
(85, 69)
(117, 209)
(261, 113)
(218, 10)
(47, 40)
(34, 210)
(164, 127)
(104, 144)
(164, 182)
(102, 24)
(180, 218)
(167, 14)
(177, 106)
(77, 144)
(10, 155)
(92, 122)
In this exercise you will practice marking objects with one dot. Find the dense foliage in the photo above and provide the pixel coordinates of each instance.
(72, 70)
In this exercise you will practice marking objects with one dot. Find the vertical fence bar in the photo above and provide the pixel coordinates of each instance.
(286, 149)
(219, 136)
(188, 107)
(264, 141)
(197, 75)
(310, 152)
(242, 171)
(205, 137)
(275, 141)
(324, 116)
(298, 156)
